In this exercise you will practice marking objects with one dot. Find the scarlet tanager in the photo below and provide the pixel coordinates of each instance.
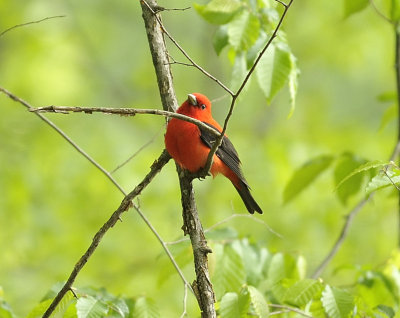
(190, 145)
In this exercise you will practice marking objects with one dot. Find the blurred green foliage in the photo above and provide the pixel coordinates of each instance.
(53, 200)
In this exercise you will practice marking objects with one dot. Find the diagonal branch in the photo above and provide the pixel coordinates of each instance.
(346, 226)
(206, 169)
(342, 236)
(65, 136)
(150, 141)
(193, 63)
(28, 23)
(121, 112)
(98, 237)
(124, 206)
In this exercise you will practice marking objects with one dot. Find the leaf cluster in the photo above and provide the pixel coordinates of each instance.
(250, 281)
(244, 27)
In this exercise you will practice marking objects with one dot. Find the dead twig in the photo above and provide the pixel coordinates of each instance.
(28, 23)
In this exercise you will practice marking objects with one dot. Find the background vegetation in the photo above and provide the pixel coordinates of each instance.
(53, 200)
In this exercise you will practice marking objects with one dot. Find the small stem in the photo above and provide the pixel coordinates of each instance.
(206, 170)
(124, 206)
(397, 67)
(28, 23)
(119, 111)
(184, 52)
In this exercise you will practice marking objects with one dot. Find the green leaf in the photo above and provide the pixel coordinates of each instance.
(243, 31)
(386, 310)
(269, 18)
(220, 39)
(225, 233)
(316, 308)
(302, 292)
(293, 83)
(182, 253)
(229, 273)
(254, 261)
(5, 310)
(60, 310)
(346, 164)
(244, 302)
(353, 6)
(229, 306)
(253, 52)
(390, 113)
(145, 308)
(90, 307)
(282, 266)
(273, 70)
(337, 303)
(218, 11)
(118, 308)
(305, 175)
(239, 72)
(361, 169)
(383, 180)
(258, 302)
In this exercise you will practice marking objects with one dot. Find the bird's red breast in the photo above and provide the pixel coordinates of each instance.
(190, 145)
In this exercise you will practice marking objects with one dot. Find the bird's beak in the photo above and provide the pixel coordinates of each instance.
(192, 100)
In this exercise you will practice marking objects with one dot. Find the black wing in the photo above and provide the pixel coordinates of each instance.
(226, 152)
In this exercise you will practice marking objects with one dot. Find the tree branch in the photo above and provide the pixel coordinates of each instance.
(124, 206)
(342, 236)
(393, 156)
(202, 286)
(192, 225)
(65, 136)
(108, 175)
(346, 226)
(397, 68)
(121, 112)
(206, 169)
(32, 22)
(157, 18)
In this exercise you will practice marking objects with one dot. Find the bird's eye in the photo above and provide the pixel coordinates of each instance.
(203, 106)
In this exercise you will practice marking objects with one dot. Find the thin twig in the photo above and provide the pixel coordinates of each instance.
(288, 309)
(391, 180)
(108, 175)
(121, 112)
(184, 52)
(349, 219)
(149, 142)
(341, 238)
(66, 137)
(273, 36)
(247, 216)
(124, 206)
(164, 246)
(28, 23)
(160, 9)
(397, 68)
(393, 156)
(206, 169)
(229, 218)
(184, 313)
(379, 12)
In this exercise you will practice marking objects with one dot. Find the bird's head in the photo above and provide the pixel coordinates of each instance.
(197, 105)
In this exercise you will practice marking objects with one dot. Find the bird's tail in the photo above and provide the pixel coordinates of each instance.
(249, 202)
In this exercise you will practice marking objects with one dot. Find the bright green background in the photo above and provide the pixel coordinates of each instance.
(53, 200)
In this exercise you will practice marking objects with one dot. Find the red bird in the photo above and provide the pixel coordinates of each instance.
(190, 145)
